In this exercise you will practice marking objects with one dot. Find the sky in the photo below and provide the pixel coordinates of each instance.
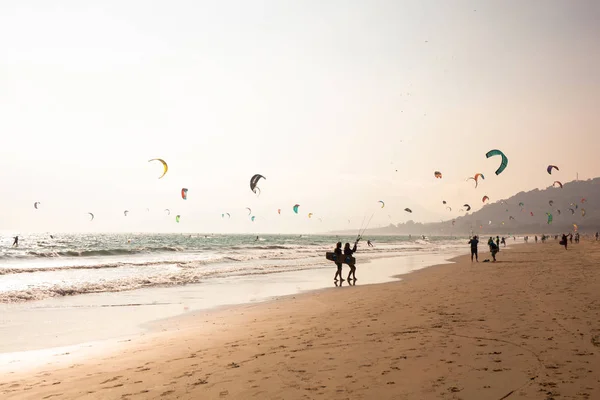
(339, 104)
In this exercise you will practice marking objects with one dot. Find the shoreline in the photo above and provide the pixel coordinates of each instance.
(139, 312)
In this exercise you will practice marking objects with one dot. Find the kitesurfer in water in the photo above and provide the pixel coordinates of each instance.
(338, 261)
(16, 242)
(369, 243)
(348, 253)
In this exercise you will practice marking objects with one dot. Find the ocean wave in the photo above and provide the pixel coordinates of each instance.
(192, 262)
(105, 252)
(182, 277)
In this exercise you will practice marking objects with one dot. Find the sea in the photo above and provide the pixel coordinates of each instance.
(43, 267)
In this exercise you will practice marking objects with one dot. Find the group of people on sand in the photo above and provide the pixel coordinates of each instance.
(493, 245)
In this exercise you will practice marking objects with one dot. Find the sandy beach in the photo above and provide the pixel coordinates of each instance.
(525, 327)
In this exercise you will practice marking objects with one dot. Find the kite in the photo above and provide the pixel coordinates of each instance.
(521, 204)
(449, 208)
(295, 208)
(476, 179)
(583, 212)
(551, 202)
(224, 214)
(437, 174)
(252, 218)
(168, 211)
(382, 203)
(572, 211)
(279, 211)
(443, 201)
(468, 207)
(575, 227)
(549, 169)
(92, 215)
(549, 218)
(184, 193)
(558, 212)
(36, 204)
(503, 163)
(559, 184)
(408, 210)
(125, 212)
(511, 218)
(147, 210)
(320, 220)
(531, 213)
(310, 215)
(484, 199)
(489, 223)
(254, 181)
(249, 210)
(177, 217)
(583, 200)
(165, 166)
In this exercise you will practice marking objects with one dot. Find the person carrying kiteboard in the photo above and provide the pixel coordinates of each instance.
(338, 261)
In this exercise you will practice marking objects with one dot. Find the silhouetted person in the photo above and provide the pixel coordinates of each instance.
(338, 262)
(474, 242)
(348, 253)
(564, 241)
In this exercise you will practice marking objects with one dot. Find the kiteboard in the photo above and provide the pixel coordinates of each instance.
(331, 256)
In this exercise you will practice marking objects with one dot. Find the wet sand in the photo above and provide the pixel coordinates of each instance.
(526, 327)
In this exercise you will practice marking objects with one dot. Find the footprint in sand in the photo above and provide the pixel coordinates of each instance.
(110, 380)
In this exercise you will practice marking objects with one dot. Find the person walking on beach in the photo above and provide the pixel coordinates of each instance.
(563, 241)
(571, 238)
(503, 241)
(474, 242)
(597, 236)
(536, 239)
(348, 253)
(498, 242)
(338, 262)
(493, 248)
(16, 242)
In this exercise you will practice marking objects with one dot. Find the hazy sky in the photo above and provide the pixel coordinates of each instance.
(327, 99)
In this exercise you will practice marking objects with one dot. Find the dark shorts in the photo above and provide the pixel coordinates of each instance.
(473, 251)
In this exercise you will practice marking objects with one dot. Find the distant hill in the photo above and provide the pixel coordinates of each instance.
(522, 222)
